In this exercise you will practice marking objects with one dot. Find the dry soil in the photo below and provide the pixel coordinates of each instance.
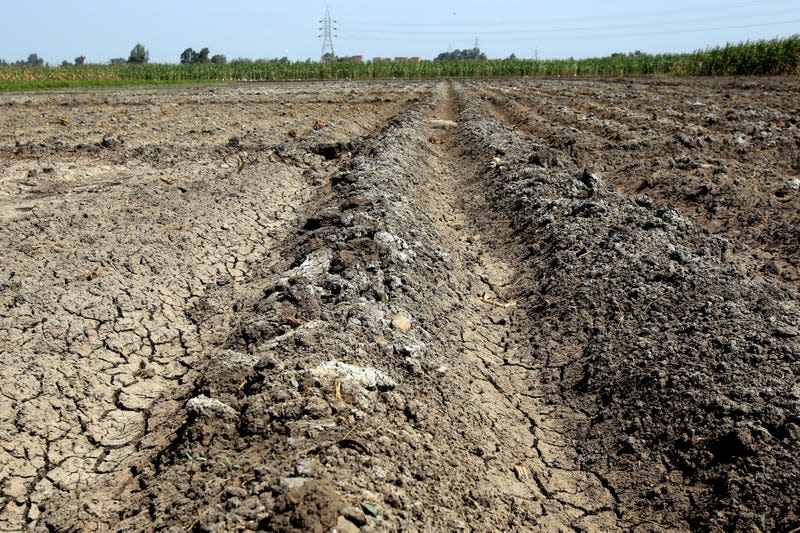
(530, 305)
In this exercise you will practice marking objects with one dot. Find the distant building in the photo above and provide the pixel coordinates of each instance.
(350, 59)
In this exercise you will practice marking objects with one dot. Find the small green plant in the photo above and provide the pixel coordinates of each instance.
(195, 462)
(227, 463)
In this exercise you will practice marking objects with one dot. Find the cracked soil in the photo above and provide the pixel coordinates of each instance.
(511, 305)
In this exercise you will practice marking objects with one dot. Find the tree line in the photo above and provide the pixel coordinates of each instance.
(462, 55)
(33, 61)
(189, 56)
(140, 55)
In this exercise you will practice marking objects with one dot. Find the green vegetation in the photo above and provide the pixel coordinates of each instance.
(189, 56)
(139, 55)
(33, 61)
(773, 57)
(460, 55)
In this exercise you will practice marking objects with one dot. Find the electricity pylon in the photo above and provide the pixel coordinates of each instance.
(327, 28)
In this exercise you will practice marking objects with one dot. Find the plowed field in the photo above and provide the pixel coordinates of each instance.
(531, 305)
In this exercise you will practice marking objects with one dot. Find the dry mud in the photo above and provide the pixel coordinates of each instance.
(517, 305)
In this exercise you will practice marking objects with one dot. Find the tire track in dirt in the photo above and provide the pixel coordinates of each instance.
(101, 302)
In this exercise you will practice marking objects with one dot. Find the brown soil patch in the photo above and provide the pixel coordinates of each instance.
(519, 305)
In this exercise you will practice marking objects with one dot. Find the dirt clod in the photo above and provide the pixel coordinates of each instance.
(401, 322)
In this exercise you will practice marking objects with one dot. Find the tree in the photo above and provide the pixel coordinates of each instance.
(65, 63)
(188, 56)
(139, 54)
(117, 60)
(33, 61)
(460, 55)
(80, 60)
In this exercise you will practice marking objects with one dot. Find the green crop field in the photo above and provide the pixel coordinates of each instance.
(773, 57)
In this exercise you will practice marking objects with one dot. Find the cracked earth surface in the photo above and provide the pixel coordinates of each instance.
(116, 223)
(504, 305)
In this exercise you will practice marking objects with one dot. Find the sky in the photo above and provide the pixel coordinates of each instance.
(60, 30)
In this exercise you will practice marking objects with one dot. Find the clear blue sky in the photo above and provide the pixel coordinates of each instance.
(102, 29)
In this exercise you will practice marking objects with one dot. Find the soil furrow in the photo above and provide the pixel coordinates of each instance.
(637, 310)
(100, 303)
(694, 154)
(365, 381)
(401, 306)
(492, 338)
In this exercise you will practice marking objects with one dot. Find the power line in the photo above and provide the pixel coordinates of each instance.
(616, 31)
(725, 9)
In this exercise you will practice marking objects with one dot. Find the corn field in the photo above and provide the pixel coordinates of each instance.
(773, 57)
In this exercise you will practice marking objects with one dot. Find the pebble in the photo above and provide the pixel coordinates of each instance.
(401, 322)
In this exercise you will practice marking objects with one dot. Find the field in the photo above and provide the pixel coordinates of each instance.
(480, 305)
(756, 58)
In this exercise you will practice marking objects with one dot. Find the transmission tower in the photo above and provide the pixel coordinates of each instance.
(327, 28)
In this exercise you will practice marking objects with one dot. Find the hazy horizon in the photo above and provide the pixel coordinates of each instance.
(57, 31)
